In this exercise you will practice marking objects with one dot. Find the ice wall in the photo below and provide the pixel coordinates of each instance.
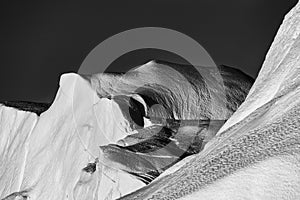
(15, 129)
(46, 157)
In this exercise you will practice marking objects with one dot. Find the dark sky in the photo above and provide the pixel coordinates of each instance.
(41, 40)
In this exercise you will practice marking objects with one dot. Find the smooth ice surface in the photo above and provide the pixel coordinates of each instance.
(16, 127)
(44, 156)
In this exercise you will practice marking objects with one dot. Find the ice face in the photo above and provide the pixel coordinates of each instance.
(173, 101)
(56, 155)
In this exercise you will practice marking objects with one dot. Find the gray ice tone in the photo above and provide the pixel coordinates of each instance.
(254, 155)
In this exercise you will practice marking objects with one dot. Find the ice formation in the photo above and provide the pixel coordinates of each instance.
(56, 155)
(45, 157)
(256, 154)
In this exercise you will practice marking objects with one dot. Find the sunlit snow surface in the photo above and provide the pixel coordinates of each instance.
(256, 154)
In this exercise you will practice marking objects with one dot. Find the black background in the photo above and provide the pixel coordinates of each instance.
(41, 40)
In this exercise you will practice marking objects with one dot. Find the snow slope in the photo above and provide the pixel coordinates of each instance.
(256, 154)
(280, 70)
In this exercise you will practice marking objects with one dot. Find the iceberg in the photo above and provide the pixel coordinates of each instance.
(63, 151)
(161, 131)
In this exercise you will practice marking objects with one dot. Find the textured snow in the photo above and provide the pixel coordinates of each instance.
(280, 71)
(256, 154)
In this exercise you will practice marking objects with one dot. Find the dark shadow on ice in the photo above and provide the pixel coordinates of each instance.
(154, 149)
(34, 107)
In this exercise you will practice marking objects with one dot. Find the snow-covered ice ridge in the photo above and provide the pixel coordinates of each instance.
(256, 153)
(56, 155)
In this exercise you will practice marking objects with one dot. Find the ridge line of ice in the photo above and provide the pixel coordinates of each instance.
(26, 153)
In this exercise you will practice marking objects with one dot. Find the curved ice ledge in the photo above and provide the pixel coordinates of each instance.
(59, 150)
